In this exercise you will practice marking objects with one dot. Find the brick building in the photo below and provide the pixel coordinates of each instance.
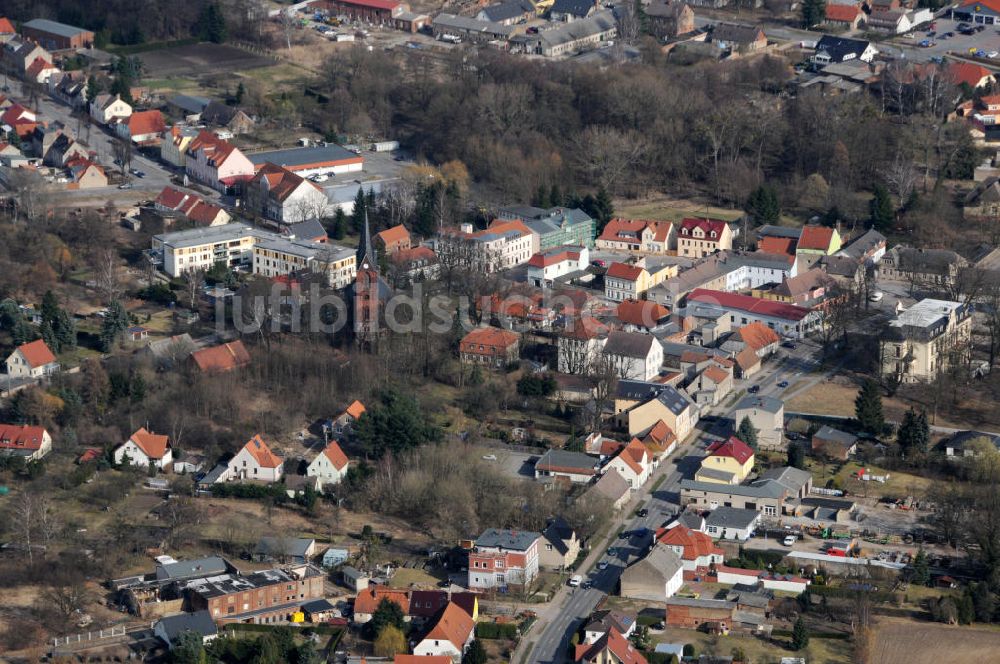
(268, 596)
(693, 613)
(54, 36)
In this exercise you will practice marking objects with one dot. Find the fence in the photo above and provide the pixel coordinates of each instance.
(87, 637)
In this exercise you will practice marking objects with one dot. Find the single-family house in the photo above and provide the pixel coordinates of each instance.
(636, 315)
(330, 465)
(654, 577)
(173, 147)
(86, 174)
(634, 463)
(255, 461)
(549, 264)
(657, 402)
(489, 346)
(450, 636)
(767, 415)
(580, 344)
(737, 38)
(831, 50)
(728, 462)
(218, 114)
(757, 336)
(634, 355)
(172, 629)
(345, 422)
(144, 449)
(601, 621)
(820, 240)
(697, 551)
(711, 385)
(559, 547)
(572, 10)
(222, 358)
(28, 442)
(845, 16)
(731, 523)
(834, 443)
(32, 360)
(284, 549)
(143, 128)
(107, 107)
(612, 648)
(613, 488)
(503, 558)
(639, 236)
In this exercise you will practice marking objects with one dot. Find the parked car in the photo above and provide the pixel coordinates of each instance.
(876, 296)
(753, 389)
(489, 457)
(790, 345)
(612, 552)
(789, 540)
(575, 581)
(642, 513)
(597, 262)
(927, 43)
(603, 565)
(783, 384)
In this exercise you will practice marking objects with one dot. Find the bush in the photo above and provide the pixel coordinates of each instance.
(159, 293)
(492, 630)
(274, 492)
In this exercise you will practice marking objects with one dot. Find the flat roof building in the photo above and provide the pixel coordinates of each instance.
(326, 159)
(53, 36)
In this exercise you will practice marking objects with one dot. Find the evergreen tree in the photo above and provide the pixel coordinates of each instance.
(22, 333)
(920, 572)
(966, 608)
(541, 197)
(796, 456)
(137, 388)
(605, 208)
(65, 329)
(116, 321)
(813, 12)
(881, 211)
(360, 209)
(188, 649)
(10, 314)
(914, 434)
(747, 433)
(868, 408)
(964, 159)
(800, 635)
(339, 224)
(387, 614)
(476, 654)
(122, 87)
(50, 307)
(49, 337)
(763, 206)
(93, 88)
(984, 602)
(555, 196)
(212, 24)
(241, 92)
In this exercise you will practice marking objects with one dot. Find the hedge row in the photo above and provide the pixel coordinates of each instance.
(306, 627)
(492, 630)
(882, 596)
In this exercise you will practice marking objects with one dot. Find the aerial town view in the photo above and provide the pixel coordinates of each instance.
(500, 331)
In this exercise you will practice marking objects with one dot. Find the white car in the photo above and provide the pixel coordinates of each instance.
(575, 580)
(993, 54)
(489, 457)
(789, 540)
(876, 296)
(320, 177)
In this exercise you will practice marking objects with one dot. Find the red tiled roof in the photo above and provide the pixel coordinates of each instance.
(15, 114)
(966, 72)
(546, 258)
(146, 122)
(369, 599)
(204, 213)
(715, 374)
(659, 438)
(335, 455)
(749, 304)
(88, 455)
(487, 336)
(845, 13)
(226, 357)
(152, 445)
(694, 544)
(171, 197)
(747, 358)
(261, 453)
(621, 649)
(584, 327)
(387, 5)
(637, 451)
(20, 437)
(773, 244)
(413, 254)
(454, 626)
(281, 182)
(356, 409)
(215, 148)
(758, 336)
(707, 225)
(37, 67)
(393, 235)
(6, 27)
(642, 313)
(732, 447)
(624, 271)
(36, 354)
(815, 237)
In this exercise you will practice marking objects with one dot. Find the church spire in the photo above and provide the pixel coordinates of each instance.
(366, 258)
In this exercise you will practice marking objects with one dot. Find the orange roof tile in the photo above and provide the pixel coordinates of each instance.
(845, 13)
(642, 313)
(966, 72)
(222, 358)
(261, 453)
(772, 244)
(624, 271)
(487, 336)
(368, 599)
(6, 27)
(393, 235)
(708, 226)
(335, 455)
(637, 451)
(621, 649)
(356, 409)
(693, 543)
(715, 374)
(146, 122)
(815, 237)
(584, 327)
(747, 358)
(36, 354)
(20, 437)
(454, 626)
(756, 335)
(152, 445)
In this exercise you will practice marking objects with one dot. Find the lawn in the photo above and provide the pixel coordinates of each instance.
(407, 577)
(906, 642)
(898, 484)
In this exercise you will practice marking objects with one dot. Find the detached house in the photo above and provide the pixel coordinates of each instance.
(217, 163)
(634, 463)
(278, 194)
(490, 346)
(143, 128)
(255, 461)
(612, 648)
(655, 577)
(30, 443)
(106, 108)
(848, 17)
(728, 462)
(393, 239)
(559, 546)
(220, 359)
(344, 423)
(32, 360)
(634, 355)
(503, 558)
(450, 636)
(86, 174)
(330, 465)
(669, 18)
(697, 550)
(698, 238)
(144, 449)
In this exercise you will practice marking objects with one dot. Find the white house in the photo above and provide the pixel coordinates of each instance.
(636, 356)
(171, 628)
(32, 360)
(450, 636)
(656, 577)
(330, 465)
(280, 195)
(731, 523)
(255, 461)
(144, 449)
(107, 107)
(546, 266)
(31, 443)
(634, 463)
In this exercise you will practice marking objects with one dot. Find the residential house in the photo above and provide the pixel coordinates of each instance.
(282, 258)
(831, 50)
(450, 636)
(172, 629)
(284, 549)
(107, 107)
(475, 30)
(489, 346)
(636, 315)
(731, 523)
(756, 336)
(747, 363)
(844, 16)
(393, 239)
(222, 358)
(778, 239)
(969, 73)
(560, 546)
(218, 114)
(654, 577)
(145, 449)
(263, 597)
(345, 422)
(699, 237)
(86, 174)
(503, 558)
(63, 150)
(369, 598)
(255, 461)
(788, 320)
(507, 12)
(194, 207)
(664, 403)
(925, 339)
(613, 488)
(834, 443)
(601, 621)
(555, 227)
(738, 38)
(32, 360)
(280, 195)
(812, 288)
(963, 444)
(330, 465)
(634, 355)
(549, 264)
(20, 119)
(711, 386)
(143, 128)
(893, 21)
(173, 147)
(818, 240)
(727, 462)
(634, 463)
(697, 551)
(40, 71)
(928, 268)
(669, 19)
(572, 10)
(575, 467)
(505, 244)
(580, 345)
(7, 29)
(767, 415)
(166, 353)
(31, 443)
(414, 265)
(612, 648)
(638, 235)
(216, 163)
(631, 280)
(660, 441)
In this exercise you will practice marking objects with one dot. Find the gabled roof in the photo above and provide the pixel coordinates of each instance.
(454, 626)
(708, 226)
(487, 336)
(621, 649)
(749, 304)
(6, 27)
(838, 47)
(395, 234)
(225, 357)
(583, 328)
(844, 13)
(578, 8)
(612, 485)
(967, 72)
(694, 544)
(261, 453)
(641, 313)
(336, 455)
(280, 182)
(715, 374)
(54, 27)
(425, 659)
(199, 622)
(214, 147)
(152, 445)
(507, 9)
(145, 122)
(356, 409)
(36, 354)
(624, 271)
(368, 599)
(757, 336)
(731, 517)
(737, 34)
(21, 437)
(732, 447)
(629, 344)
(816, 237)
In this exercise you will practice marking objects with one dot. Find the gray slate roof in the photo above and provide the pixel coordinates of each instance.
(293, 157)
(578, 8)
(291, 546)
(792, 479)
(629, 344)
(513, 540)
(731, 517)
(199, 622)
(54, 27)
(508, 9)
(862, 245)
(184, 569)
(828, 433)
(564, 459)
(770, 230)
(758, 490)
(760, 402)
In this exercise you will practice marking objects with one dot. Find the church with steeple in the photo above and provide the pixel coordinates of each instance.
(369, 294)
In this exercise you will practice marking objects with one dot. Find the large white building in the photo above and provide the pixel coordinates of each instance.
(634, 355)
(202, 248)
(144, 449)
(505, 244)
(278, 257)
(278, 194)
(546, 266)
(926, 338)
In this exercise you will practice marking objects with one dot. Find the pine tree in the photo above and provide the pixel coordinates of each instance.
(339, 224)
(241, 92)
(541, 197)
(476, 654)
(881, 210)
(49, 337)
(813, 12)
(93, 88)
(213, 23)
(115, 323)
(796, 456)
(605, 208)
(50, 307)
(360, 209)
(747, 433)
(65, 329)
(868, 408)
(10, 314)
(763, 205)
(556, 196)
(966, 609)
(914, 433)
(964, 159)
(920, 572)
(800, 635)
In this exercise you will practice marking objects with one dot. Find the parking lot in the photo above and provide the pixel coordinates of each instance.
(987, 40)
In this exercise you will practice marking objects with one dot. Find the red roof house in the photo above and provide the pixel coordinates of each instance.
(218, 359)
